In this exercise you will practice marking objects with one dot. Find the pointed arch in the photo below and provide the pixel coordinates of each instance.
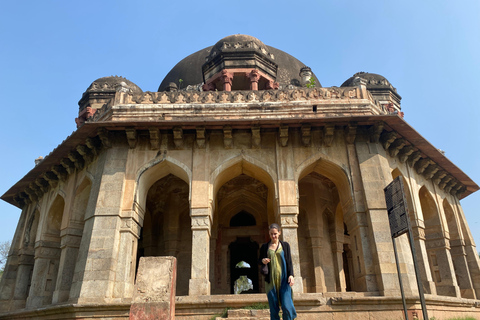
(155, 170)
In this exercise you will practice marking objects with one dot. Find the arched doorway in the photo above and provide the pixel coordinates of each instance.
(323, 238)
(167, 226)
(239, 226)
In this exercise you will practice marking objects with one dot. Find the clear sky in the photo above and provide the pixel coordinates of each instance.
(50, 52)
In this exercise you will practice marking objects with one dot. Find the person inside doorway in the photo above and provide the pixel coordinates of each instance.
(277, 268)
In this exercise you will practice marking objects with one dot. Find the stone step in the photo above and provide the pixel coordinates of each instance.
(247, 314)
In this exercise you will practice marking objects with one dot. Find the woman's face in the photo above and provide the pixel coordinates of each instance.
(274, 234)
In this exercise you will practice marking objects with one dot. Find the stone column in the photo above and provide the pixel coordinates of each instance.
(70, 242)
(96, 268)
(318, 264)
(127, 258)
(459, 258)
(337, 248)
(442, 265)
(26, 261)
(375, 175)
(289, 226)
(45, 271)
(422, 258)
(201, 226)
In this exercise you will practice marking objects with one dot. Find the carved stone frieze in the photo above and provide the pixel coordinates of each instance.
(131, 137)
(306, 135)
(283, 135)
(227, 137)
(405, 152)
(47, 252)
(201, 137)
(244, 96)
(201, 223)
(350, 133)
(328, 134)
(178, 137)
(289, 220)
(256, 137)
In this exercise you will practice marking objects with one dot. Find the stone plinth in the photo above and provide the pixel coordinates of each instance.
(154, 294)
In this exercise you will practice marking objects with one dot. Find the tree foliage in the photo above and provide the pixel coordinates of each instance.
(4, 249)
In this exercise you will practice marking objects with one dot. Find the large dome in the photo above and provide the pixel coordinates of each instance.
(189, 70)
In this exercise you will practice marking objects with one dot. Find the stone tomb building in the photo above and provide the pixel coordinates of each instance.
(238, 136)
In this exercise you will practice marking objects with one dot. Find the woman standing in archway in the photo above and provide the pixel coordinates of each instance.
(276, 258)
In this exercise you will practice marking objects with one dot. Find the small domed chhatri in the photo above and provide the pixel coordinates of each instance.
(238, 137)
(380, 88)
(100, 92)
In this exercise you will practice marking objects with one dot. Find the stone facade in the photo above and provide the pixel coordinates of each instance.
(199, 175)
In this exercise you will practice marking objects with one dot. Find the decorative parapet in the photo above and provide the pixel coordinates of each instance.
(160, 105)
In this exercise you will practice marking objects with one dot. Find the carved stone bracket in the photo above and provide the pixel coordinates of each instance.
(422, 164)
(42, 184)
(77, 160)
(396, 146)
(414, 157)
(178, 137)
(227, 137)
(68, 165)
(450, 185)
(328, 134)
(351, 133)
(60, 172)
(283, 132)
(386, 138)
(256, 137)
(306, 135)
(201, 137)
(103, 135)
(154, 138)
(375, 131)
(32, 195)
(437, 177)
(430, 171)
(405, 152)
(21, 200)
(445, 181)
(131, 137)
(86, 153)
(94, 144)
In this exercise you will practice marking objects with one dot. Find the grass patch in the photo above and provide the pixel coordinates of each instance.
(257, 306)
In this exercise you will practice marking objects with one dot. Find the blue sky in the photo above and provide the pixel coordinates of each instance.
(50, 52)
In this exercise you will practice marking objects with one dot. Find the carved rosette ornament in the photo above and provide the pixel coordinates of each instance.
(289, 221)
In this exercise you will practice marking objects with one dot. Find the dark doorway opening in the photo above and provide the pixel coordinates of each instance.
(246, 250)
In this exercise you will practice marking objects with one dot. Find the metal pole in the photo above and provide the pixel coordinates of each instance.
(400, 279)
(417, 274)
